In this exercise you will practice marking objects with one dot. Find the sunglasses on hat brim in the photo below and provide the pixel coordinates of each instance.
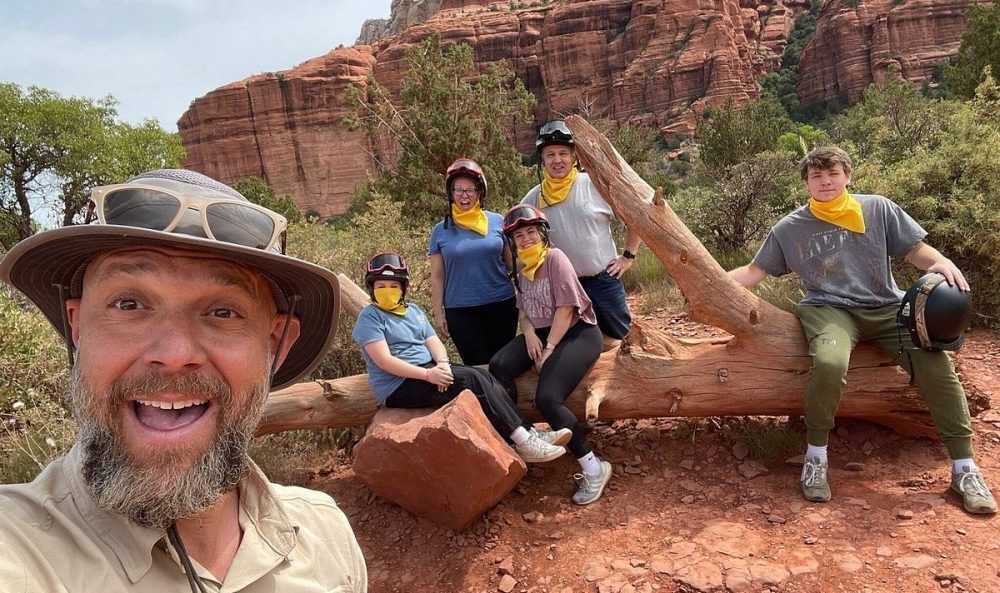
(161, 209)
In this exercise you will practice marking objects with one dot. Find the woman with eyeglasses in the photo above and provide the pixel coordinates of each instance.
(470, 287)
(408, 366)
(559, 338)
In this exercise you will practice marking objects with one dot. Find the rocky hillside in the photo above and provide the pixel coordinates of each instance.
(646, 61)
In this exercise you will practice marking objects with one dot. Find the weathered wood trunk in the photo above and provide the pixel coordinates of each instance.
(761, 369)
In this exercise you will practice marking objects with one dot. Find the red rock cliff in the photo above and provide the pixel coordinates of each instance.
(858, 42)
(654, 61)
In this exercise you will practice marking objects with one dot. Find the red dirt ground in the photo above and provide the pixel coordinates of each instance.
(680, 515)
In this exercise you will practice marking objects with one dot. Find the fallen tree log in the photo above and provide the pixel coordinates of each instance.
(759, 370)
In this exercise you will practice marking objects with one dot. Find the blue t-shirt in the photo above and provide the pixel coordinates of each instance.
(406, 336)
(474, 272)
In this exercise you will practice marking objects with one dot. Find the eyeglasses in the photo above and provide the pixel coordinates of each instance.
(458, 193)
(386, 261)
(222, 219)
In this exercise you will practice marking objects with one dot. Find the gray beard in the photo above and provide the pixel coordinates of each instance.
(163, 489)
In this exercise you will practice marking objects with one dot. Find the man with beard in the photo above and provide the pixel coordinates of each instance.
(180, 312)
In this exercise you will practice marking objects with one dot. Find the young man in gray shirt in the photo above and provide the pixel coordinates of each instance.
(840, 245)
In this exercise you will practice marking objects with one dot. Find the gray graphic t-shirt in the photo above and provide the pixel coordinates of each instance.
(839, 267)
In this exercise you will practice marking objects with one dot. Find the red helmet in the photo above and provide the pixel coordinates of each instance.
(525, 215)
(465, 168)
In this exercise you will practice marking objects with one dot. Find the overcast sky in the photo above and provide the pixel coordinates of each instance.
(156, 56)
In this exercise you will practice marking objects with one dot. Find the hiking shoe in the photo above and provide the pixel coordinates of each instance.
(591, 487)
(975, 493)
(814, 484)
(558, 438)
(535, 450)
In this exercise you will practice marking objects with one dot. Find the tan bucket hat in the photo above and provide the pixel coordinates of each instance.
(49, 266)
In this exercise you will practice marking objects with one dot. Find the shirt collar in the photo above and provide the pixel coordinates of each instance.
(133, 545)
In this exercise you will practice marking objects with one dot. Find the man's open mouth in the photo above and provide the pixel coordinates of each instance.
(160, 415)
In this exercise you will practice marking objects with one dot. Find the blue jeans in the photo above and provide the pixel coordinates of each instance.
(608, 295)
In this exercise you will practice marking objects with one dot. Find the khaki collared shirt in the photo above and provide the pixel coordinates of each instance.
(54, 539)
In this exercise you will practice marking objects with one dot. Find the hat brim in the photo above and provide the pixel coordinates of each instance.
(38, 265)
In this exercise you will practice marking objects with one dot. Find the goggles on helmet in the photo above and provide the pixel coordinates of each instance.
(392, 262)
(464, 166)
(554, 132)
(222, 218)
(523, 215)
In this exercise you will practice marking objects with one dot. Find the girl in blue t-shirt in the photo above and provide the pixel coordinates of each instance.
(408, 366)
(473, 299)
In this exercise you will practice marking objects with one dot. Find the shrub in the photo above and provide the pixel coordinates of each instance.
(33, 372)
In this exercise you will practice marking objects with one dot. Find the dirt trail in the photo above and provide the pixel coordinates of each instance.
(689, 510)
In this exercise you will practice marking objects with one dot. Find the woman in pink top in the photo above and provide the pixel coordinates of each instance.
(559, 337)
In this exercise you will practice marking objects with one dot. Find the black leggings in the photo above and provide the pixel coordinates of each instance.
(561, 373)
(497, 406)
(479, 332)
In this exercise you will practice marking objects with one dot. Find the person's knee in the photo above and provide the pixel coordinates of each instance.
(830, 362)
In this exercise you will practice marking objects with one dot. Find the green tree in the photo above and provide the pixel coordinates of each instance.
(54, 149)
(946, 177)
(742, 180)
(980, 48)
(733, 134)
(259, 192)
(445, 110)
(891, 120)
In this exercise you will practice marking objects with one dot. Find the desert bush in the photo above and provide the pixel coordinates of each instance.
(946, 177)
(33, 372)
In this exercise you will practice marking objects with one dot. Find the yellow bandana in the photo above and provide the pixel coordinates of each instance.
(533, 258)
(473, 219)
(844, 212)
(555, 190)
(390, 300)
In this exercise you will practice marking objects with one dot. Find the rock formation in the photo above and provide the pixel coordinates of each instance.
(447, 465)
(649, 61)
(858, 42)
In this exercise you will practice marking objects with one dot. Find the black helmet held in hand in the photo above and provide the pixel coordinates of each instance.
(554, 132)
(935, 313)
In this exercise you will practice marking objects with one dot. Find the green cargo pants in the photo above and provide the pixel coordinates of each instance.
(833, 332)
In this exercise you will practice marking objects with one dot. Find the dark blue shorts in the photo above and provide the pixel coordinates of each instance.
(608, 295)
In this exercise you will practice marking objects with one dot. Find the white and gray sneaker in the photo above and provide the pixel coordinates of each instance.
(976, 495)
(558, 438)
(535, 450)
(591, 487)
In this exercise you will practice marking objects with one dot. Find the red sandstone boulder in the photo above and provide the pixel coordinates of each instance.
(857, 45)
(447, 465)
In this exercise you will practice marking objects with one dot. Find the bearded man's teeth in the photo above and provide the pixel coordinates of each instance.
(178, 405)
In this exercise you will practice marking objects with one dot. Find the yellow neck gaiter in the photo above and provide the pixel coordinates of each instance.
(390, 299)
(533, 258)
(555, 190)
(844, 212)
(474, 219)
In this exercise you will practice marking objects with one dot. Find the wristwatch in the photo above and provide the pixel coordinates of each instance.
(628, 254)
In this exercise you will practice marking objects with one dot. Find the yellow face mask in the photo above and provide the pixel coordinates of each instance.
(533, 258)
(390, 299)
(555, 190)
(474, 219)
(843, 211)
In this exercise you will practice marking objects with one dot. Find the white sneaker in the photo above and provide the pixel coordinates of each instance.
(535, 450)
(591, 487)
(558, 438)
